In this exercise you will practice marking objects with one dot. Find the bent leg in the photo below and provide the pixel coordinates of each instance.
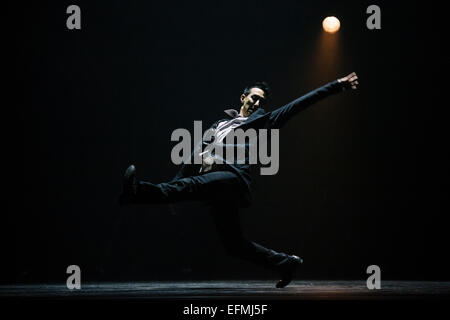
(227, 220)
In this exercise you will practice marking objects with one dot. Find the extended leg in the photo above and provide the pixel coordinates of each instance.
(208, 187)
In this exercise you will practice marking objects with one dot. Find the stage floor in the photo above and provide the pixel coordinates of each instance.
(232, 289)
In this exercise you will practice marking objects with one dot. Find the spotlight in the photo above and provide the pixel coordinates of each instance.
(331, 24)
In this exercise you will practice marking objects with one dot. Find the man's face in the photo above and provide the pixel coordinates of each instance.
(252, 101)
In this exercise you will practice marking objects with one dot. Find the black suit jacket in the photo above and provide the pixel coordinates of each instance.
(260, 119)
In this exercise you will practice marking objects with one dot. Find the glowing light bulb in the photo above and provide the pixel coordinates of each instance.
(331, 24)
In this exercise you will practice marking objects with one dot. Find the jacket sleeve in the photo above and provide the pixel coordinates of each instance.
(280, 116)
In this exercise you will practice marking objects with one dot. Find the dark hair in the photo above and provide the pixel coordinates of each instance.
(260, 85)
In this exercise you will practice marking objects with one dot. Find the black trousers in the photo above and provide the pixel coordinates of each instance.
(221, 190)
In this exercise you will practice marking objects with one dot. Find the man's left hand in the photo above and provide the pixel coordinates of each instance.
(350, 81)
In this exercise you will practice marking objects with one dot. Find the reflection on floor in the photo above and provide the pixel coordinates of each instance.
(297, 290)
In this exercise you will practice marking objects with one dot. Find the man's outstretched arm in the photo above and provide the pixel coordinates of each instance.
(281, 115)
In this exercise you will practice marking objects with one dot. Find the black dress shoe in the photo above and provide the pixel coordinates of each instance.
(288, 271)
(129, 186)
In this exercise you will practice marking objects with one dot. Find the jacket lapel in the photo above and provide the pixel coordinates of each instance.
(258, 114)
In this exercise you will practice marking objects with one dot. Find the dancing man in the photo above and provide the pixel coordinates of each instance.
(225, 185)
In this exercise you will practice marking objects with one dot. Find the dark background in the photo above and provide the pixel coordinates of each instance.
(371, 166)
